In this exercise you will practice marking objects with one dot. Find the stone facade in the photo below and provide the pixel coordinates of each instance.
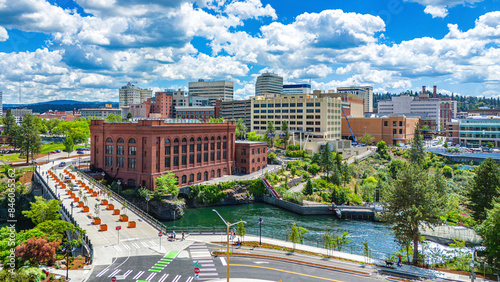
(137, 153)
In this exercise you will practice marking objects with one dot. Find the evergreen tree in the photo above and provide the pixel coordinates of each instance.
(417, 150)
(485, 187)
(270, 133)
(308, 190)
(29, 139)
(490, 232)
(327, 162)
(413, 200)
(286, 133)
(10, 127)
(129, 115)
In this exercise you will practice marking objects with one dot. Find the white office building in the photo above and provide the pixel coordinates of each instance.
(363, 92)
(131, 94)
(290, 89)
(269, 85)
(212, 90)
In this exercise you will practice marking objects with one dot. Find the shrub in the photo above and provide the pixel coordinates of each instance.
(448, 172)
(295, 197)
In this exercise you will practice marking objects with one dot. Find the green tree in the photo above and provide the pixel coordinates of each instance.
(445, 145)
(448, 172)
(381, 146)
(241, 230)
(68, 145)
(366, 139)
(490, 145)
(42, 210)
(29, 139)
(129, 115)
(270, 133)
(485, 187)
(10, 127)
(167, 184)
(490, 232)
(417, 150)
(346, 173)
(113, 118)
(412, 201)
(241, 128)
(313, 169)
(297, 234)
(308, 190)
(286, 133)
(252, 136)
(327, 161)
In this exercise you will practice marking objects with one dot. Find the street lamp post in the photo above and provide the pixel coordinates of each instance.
(119, 186)
(227, 231)
(71, 208)
(260, 231)
(147, 204)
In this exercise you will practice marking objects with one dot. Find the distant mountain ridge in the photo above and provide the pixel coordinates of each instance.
(60, 105)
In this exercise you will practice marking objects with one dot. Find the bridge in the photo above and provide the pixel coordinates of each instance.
(111, 238)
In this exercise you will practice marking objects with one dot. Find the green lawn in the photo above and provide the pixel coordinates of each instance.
(12, 158)
(51, 147)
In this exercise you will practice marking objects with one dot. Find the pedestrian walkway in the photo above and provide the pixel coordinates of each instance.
(200, 255)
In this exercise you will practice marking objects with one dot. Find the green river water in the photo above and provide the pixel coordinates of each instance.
(277, 224)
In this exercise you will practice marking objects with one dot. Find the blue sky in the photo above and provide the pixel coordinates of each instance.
(86, 49)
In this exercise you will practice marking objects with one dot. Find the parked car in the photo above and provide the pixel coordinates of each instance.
(58, 151)
(67, 179)
(53, 152)
(80, 152)
(62, 164)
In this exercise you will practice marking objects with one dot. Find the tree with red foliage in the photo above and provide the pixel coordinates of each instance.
(37, 250)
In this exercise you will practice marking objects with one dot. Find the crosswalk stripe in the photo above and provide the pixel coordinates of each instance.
(138, 275)
(128, 248)
(223, 261)
(102, 272)
(208, 274)
(135, 245)
(118, 248)
(190, 279)
(203, 261)
(114, 273)
(177, 278)
(163, 278)
(144, 244)
(151, 276)
(154, 244)
(127, 273)
(207, 269)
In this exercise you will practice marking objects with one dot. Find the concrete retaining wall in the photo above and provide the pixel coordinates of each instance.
(303, 210)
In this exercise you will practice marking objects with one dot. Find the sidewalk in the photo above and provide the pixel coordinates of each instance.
(355, 260)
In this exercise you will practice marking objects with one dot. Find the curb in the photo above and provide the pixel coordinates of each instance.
(333, 268)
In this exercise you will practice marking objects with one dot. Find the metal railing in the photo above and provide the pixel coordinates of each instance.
(146, 217)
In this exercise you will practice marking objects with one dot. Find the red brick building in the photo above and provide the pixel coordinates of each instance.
(250, 156)
(137, 153)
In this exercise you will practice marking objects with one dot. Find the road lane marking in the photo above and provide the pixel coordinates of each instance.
(102, 272)
(144, 244)
(138, 275)
(286, 271)
(135, 245)
(163, 278)
(188, 280)
(114, 273)
(223, 261)
(117, 248)
(261, 262)
(127, 247)
(177, 278)
(150, 276)
(127, 273)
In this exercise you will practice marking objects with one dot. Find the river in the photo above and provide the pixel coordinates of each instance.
(277, 224)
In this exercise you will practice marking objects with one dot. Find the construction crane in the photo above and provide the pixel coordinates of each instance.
(353, 138)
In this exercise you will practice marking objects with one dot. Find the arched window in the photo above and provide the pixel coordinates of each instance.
(109, 140)
(224, 138)
(205, 139)
(258, 168)
(198, 176)
(258, 160)
(253, 169)
(176, 140)
(184, 140)
(225, 171)
(206, 175)
(212, 174)
(191, 177)
(218, 172)
(131, 141)
(218, 137)
(120, 140)
(212, 138)
(253, 161)
(131, 182)
(184, 179)
(199, 139)
(167, 141)
(191, 140)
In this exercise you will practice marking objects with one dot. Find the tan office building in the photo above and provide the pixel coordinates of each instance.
(320, 117)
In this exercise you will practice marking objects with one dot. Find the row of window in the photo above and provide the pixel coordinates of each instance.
(394, 123)
(244, 151)
(286, 111)
(198, 176)
(292, 128)
(286, 105)
(244, 161)
(289, 117)
(176, 140)
(195, 113)
(120, 161)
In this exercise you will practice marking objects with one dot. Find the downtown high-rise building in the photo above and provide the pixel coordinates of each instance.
(269, 85)
(212, 90)
(363, 92)
(131, 94)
